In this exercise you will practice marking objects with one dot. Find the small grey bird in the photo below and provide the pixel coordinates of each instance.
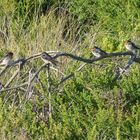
(130, 46)
(48, 58)
(98, 52)
(7, 59)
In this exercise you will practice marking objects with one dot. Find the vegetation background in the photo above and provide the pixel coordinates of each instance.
(89, 106)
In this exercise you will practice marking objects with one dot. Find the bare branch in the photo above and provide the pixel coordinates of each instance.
(96, 58)
(39, 54)
(3, 70)
(30, 85)
(11, 79)
(122, 71)
(57, 70)
(22, 61)
(16, 87)
(34, 76)
(65, 78)
(49, 89)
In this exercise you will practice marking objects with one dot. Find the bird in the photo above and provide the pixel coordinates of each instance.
(48, 58)
(130, 46)
(98, 52)
(7, 59)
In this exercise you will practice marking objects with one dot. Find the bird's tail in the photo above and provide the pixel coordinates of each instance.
(55, 62)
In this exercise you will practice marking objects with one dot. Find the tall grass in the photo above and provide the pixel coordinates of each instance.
(89, 105)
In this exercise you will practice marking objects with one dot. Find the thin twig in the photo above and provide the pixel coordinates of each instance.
(29, 87)
(57, 70)
(122, 71)
(65, 78)
(3, 70)
(16, 87)
(71, 74)
(34, 76)
(39, 81)
(49, 88)
(11, 79)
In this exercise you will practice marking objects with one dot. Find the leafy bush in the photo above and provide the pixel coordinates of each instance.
(89, 105)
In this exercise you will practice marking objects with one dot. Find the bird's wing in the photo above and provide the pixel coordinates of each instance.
(55, 62)
(98, 50)
(51, 60)
(48, 57)
(136, 46)
(103, 51)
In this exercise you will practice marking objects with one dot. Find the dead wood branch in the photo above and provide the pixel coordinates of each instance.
(11, 79)
(39, 54)
(16, 87)
(136, 59)
(49, 89)
(120, 72)
(27, 85)
(3, 70)
(34, 76)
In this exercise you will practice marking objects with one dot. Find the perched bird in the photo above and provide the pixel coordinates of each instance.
(48, 58)
(130, 46)
(7, 59)
(98, 52)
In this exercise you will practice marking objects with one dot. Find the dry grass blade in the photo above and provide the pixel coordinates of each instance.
(16, 87)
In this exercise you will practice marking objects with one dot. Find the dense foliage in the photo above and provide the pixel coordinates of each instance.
(90, 105)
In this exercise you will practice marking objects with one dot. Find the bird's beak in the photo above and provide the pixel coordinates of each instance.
(125, 43)
(93, 49)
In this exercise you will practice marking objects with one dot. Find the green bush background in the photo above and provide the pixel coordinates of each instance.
(90, 106)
